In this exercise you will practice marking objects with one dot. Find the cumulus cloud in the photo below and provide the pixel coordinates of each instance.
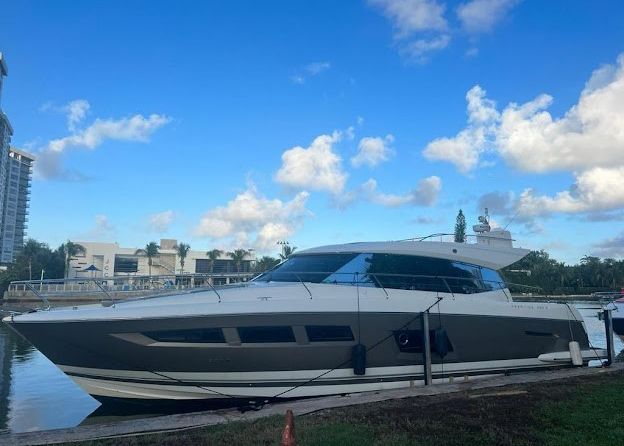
(420, 26)
(530, 139)
(587, 141)
(76, 111)
(479, 16)
(611, 247)
(419, 50)
(316, 167)
(597, 189)
(252, 219)
(135, 128)
(425, 194)
(160, 221)
(308, 71)
(373, 151)
(465, 148)
(411, 16)
(498, 203)
(589, 134)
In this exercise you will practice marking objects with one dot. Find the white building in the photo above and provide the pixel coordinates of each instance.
(109, 259)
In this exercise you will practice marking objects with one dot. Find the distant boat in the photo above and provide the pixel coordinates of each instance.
(329, 320)
(618, 316)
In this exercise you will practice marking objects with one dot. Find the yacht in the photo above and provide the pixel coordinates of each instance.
(328, 320)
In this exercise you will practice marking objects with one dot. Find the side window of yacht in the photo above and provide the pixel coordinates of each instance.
(409, 272)
(313, 268)
(491, 279)
(356, 270)
(196, 335)
(329, 333)
(464, 278)
(256, 335)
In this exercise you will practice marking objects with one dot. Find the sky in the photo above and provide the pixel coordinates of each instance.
(230, 124)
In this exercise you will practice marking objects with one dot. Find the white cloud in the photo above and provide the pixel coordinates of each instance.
(76, 111)
(135, 128)
(425, 194)
(597, 189)
(465, 148)
(373, 151)
(530, 139)
(479, 16)
(411, 16)
(316, 167)
(420, 26)
(254, 219)
(310, 70)
(589, 134)
(102, 229)
(420, 49)
(160, 221)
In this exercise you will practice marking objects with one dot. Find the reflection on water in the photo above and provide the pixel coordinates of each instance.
(36, 395)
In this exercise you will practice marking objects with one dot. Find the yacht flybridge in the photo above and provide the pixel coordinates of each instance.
(328, 320)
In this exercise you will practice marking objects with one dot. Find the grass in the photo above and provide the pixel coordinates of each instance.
(584, 410)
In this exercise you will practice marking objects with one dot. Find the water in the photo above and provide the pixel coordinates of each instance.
(36, 395)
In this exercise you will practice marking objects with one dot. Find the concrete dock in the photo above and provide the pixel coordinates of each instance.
(299, 407)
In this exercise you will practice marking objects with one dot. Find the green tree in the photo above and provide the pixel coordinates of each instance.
(238, 255)
(34, 258)
(266, 263)
(460, 227)
(182, 250)
(71, 249)
(287, 251)
(213, 255)
(150, 251)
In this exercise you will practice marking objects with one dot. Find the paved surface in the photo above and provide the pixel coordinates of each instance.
(299, 407)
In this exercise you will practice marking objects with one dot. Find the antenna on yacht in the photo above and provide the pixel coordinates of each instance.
(484, 223)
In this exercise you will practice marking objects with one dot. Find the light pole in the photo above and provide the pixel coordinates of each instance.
(283, 244)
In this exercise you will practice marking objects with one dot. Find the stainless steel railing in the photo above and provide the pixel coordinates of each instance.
(109, 289)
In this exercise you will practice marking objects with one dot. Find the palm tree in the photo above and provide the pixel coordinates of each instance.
(287, 251)
(183, 250)
(266, 263)
(213, 255)
(71, 249)
(150, 251)
(237, 256)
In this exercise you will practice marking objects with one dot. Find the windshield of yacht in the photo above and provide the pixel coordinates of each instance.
(385, 270)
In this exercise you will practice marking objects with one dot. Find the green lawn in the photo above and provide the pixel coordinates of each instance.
(579, 411)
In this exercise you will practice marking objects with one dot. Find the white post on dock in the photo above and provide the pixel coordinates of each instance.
(426, 348)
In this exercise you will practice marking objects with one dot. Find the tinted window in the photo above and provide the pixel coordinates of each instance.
(126, 264)
(388, 270)
(329, 333)
(491, 279)
(212, 335)
(313, 268)
(266, 334)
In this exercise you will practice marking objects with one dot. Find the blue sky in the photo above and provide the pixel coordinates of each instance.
(239, 123)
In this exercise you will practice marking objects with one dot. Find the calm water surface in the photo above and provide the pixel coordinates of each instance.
(35, 395)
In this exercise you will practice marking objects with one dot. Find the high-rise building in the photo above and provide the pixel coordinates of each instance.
(16, 201)
(6, 131)
(15, 177)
